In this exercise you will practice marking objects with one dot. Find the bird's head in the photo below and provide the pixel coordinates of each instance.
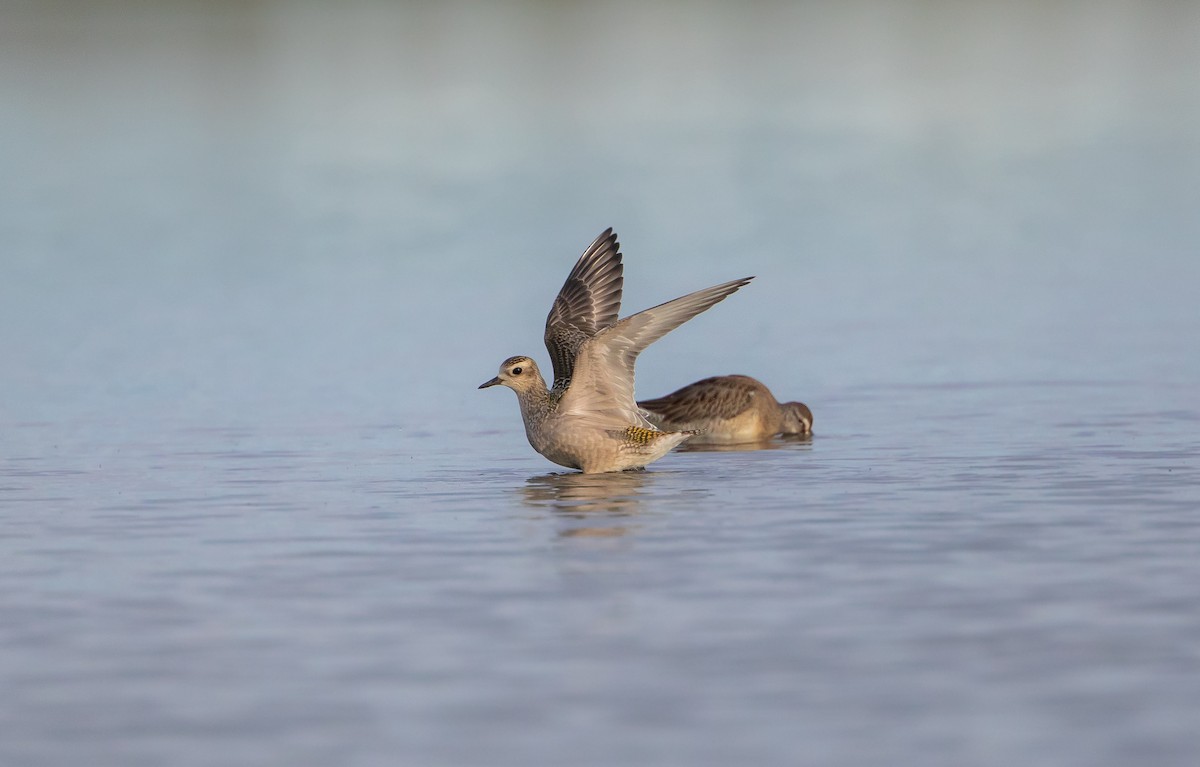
(517, 373)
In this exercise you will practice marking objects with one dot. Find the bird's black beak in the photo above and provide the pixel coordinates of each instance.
(494, 382)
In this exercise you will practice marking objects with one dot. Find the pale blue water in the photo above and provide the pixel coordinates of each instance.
(255, 259)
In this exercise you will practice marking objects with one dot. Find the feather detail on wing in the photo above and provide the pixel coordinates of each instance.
(602, 386)
(589, 301)
(719, 397)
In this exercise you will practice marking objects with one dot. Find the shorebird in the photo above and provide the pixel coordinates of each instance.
(728, 409)
(588, 419)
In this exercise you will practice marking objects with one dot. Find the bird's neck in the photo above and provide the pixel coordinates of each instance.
(535, 401)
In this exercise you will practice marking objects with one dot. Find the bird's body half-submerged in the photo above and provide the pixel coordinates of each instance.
(729, 410)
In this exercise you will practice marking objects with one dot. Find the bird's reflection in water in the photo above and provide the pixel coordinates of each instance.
(596, 505)
(782, 442)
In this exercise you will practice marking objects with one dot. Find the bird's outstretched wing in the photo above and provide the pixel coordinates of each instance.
(590, 300)
(602, 386)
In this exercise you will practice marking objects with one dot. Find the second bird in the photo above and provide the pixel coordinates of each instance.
(728, 409)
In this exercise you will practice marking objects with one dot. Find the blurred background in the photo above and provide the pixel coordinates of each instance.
(255, 257)
(306, 210)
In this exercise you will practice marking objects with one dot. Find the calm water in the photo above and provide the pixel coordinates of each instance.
(255, 259)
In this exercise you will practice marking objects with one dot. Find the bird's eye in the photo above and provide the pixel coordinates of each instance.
(516, 371)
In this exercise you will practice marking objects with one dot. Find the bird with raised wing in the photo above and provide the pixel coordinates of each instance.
(589, 419)
(728, 410)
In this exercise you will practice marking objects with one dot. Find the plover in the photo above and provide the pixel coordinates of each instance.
(728, 409)
(589, 420)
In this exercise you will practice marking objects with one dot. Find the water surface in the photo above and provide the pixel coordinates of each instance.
(254, 261)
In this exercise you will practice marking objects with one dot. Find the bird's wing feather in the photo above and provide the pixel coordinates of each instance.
(719, 397)
(589, 301)
(602, 386)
